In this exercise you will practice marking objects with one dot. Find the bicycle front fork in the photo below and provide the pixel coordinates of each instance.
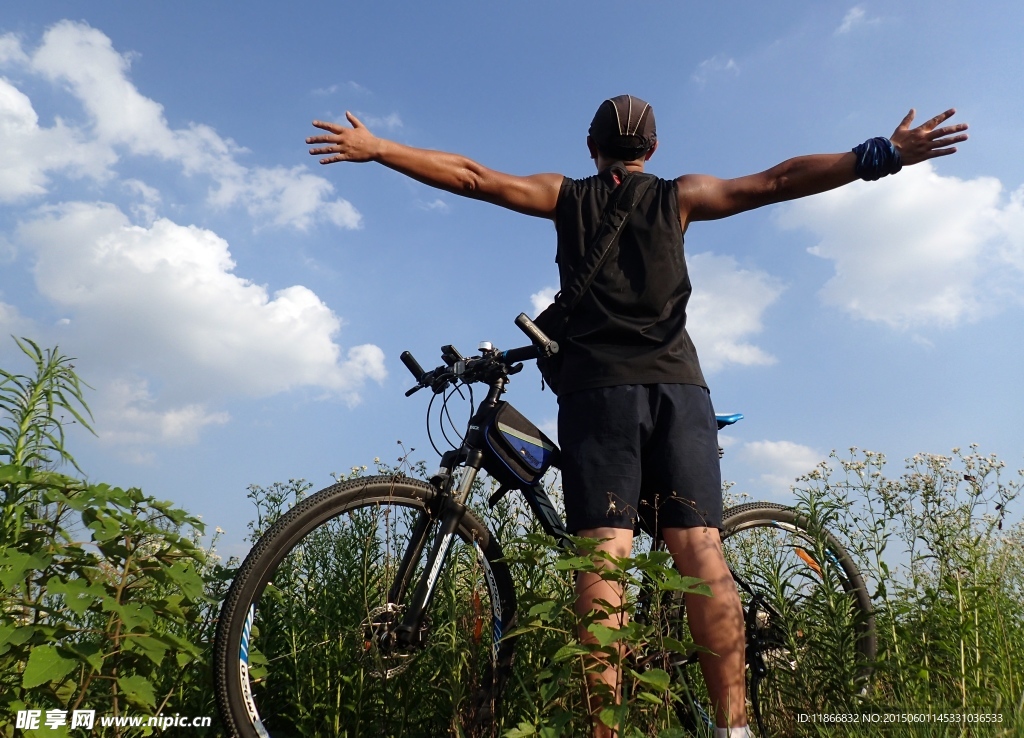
(452, 508)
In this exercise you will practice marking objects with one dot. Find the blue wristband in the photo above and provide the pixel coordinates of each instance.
(877, 158)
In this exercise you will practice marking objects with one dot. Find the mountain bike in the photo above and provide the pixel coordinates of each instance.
(376, 594)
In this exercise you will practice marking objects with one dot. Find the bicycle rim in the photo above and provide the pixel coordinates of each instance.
(306, 645)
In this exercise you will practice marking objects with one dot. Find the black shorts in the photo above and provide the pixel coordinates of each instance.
(640, 453)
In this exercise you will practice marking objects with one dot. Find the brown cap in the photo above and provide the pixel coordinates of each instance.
(623, 128)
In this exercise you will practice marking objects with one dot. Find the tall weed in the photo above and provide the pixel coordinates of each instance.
(101, 589)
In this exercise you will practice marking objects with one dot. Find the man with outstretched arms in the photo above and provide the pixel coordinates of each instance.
(635, 423)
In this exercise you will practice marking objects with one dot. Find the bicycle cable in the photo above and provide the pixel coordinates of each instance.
(444, 413)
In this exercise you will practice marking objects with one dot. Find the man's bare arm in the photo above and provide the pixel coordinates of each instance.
(533, 195)
(702, 197)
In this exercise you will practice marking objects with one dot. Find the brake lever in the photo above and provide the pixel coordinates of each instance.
(439, 383)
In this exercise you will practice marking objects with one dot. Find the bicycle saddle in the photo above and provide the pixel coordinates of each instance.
(724, 420)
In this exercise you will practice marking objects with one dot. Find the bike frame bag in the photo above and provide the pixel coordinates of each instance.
(523, 453)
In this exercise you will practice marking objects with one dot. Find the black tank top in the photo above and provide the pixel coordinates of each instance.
(630, 327)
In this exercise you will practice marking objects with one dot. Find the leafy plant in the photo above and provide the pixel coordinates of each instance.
(101, 588)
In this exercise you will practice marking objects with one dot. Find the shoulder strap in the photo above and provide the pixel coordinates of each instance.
(622, 203)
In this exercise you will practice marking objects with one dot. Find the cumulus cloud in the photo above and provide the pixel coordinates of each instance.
(726, 310)
(162, 306)
(715, 66)
(918, 249)
(84, 61)
(780, 462)
(30, 152)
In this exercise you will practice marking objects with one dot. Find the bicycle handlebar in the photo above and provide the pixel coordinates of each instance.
(480, 368)
(545, 346)
(412, 365)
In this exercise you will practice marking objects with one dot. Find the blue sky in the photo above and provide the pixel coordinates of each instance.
(240, 310)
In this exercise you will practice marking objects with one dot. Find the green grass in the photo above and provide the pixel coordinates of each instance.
(944, 567)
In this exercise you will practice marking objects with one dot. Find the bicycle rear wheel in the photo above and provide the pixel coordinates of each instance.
(306, 640)
(810, 630)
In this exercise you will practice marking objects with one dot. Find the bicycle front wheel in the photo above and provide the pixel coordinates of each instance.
(307, 640)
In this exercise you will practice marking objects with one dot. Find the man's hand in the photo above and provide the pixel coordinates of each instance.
(927, 140)
(345, 144)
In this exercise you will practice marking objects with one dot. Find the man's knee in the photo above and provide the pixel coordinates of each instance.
(617, 542)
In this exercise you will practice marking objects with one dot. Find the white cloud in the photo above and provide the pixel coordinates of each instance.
(281, 197)
(129, 415)
(390, 122)
(780, 462)
(855, 17)
(351, 86)
(436, 206)
(540, 300)
(28, 152)
(162, 303)
(715, 66)
(11, 50)
(145, 209)
(84, 60)
(13, 323)
(918, 248)
(726, 309)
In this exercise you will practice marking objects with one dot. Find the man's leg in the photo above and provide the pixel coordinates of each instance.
(591, 589)
(716, 622)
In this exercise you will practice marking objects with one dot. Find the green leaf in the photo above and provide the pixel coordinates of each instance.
(152, 648)
(544, 609)
(138, 689)
(14, 635)
(657, 678)
(186, 579)
(132, 614)
(549, 689)
(89, 653)
(569, 651)
(673, 644)
(20, 564)
(45, 665)
(523, 730)
(605, 635)
(66, 691)
(612, 716)
(105, 529)
(78, 594)
(676, 582)
(649, 697)
(582, 563)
